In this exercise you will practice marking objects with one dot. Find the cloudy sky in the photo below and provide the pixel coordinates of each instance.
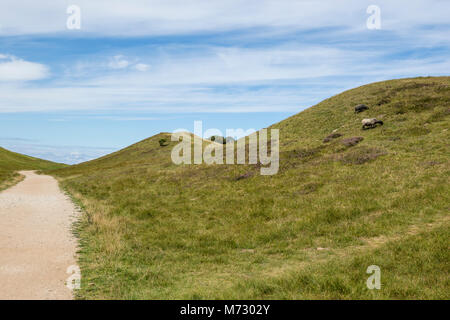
(136, 68)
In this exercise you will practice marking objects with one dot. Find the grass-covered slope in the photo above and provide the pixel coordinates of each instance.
(156, 230)
(11, 162)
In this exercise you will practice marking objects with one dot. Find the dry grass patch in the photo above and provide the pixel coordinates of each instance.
(361, 155)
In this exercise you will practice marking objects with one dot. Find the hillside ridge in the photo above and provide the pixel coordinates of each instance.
(11, 162)
(153, 229)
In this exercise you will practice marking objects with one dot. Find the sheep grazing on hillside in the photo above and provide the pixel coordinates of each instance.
(370, 123)
(360, 108)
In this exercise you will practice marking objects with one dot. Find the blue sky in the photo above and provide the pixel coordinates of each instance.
(136, 68)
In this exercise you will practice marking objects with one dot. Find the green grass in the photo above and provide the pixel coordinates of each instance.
(414, 267)
(11, 162)
(154, 230)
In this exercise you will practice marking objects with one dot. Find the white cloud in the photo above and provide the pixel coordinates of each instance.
(119, 62)
(122, 118)
(278, 78)
(15, 69)
(141, 67)
(185, 77)
(160, 17)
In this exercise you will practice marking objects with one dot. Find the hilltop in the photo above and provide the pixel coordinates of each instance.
(11, 162)
(344, 199)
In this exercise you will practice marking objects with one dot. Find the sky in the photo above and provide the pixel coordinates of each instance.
(136, 68)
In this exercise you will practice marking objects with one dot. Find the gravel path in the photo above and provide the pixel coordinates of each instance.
(36, 243)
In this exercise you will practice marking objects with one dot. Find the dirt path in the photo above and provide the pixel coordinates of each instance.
(36, 243)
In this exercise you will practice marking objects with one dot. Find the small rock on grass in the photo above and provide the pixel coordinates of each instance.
(353, 141)
(332, 136)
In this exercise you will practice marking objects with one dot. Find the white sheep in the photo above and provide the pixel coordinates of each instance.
(370, 123)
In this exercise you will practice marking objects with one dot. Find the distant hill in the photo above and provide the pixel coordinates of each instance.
(343, 199)
(10, 162)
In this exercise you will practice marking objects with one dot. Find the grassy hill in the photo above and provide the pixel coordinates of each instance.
(11, 162)
(155, 230)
